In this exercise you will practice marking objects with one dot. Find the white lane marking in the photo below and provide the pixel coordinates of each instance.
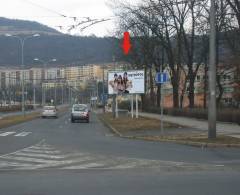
(41, 148)
(219, 165)
(13, 164)
(49, 156)
(7, 133)
(41, 151)
(26, 159)
(59, 164)
(89, 165)
(43, 140)
(22, 134)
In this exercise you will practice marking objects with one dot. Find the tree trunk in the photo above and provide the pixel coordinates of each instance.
(220, 90)
(191, 90)
(175, 93)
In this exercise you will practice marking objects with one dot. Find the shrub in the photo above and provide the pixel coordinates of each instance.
(224, 115)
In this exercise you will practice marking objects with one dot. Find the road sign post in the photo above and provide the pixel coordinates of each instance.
(161, 78)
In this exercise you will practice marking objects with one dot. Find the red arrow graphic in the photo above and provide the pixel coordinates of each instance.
(126, 43)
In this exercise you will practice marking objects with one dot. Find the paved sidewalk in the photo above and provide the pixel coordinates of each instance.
(231, 129)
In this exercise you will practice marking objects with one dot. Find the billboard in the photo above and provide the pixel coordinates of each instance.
(126, 82)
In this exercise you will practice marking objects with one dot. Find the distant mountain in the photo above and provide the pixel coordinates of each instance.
(51, 44)
(24, 27)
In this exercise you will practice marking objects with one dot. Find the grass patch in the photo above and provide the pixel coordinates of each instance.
(123, 124)
(220, 139)
(126, 124)
(13, 120)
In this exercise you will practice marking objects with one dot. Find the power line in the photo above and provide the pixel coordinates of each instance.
(43, 7)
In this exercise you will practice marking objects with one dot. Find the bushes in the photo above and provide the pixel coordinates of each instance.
(224, 115)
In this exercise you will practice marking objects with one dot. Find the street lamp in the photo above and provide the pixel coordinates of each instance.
(22, 42)
(44, 68)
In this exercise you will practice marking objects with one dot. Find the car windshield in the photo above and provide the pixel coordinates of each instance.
(80, 108)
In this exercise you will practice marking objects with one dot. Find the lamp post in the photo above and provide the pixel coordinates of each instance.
(22, 42)
(44, 68)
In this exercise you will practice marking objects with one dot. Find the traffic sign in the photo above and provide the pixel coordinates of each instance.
(104, 97)
(94, 98)
(161, 78)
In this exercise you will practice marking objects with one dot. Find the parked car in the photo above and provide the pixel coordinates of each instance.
(49, 111)
(80, 112)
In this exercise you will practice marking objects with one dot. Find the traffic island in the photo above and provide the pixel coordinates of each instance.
(148, 129)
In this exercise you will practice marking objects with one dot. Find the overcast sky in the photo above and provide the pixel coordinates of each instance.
(48, 12)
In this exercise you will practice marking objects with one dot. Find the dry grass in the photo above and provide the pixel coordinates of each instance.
(13, 120)
(202, 140)
(123, 124)
(220, 139)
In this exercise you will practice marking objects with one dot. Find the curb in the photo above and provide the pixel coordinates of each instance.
(189, 143)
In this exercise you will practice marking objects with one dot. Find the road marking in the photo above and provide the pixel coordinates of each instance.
(43, 156)
(89, 165)
(40, 155)
(41, 151)
(22, 134)
(26, 159)
(41, 148)
(7, 133)
(43, 140)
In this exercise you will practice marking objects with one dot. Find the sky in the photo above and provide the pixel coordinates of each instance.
(49, 12)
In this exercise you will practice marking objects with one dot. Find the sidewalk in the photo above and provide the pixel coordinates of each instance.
(230, 129)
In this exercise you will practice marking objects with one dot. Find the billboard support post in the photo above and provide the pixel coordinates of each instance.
(136, 105)
(132, 106)
(116, 107)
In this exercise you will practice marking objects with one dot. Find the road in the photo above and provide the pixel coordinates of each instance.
(55, 156)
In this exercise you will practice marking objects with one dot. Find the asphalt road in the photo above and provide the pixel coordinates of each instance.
(55, 156)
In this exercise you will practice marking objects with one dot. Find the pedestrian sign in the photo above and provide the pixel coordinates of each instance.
(161, 77)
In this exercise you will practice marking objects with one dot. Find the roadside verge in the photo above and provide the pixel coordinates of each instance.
(149, 130)
(17, 119)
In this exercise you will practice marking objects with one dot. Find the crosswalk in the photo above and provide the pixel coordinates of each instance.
(15, 134)
(44, 156)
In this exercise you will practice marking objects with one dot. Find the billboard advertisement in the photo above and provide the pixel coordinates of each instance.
(126, 82)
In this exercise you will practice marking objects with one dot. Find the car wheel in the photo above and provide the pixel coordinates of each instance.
(72, 121)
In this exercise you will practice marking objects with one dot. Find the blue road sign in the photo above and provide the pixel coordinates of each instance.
(161, 77)
(104, 97)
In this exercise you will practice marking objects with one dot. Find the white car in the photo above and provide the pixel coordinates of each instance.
(80, 112)
(49, 111)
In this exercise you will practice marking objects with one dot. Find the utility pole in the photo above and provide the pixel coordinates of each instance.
(34, 97)
(212, 110)
(114, 95)
(103, 92)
